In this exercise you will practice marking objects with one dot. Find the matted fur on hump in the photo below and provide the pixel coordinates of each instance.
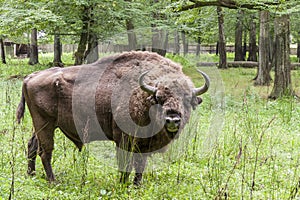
(140, 61)
(130, 65)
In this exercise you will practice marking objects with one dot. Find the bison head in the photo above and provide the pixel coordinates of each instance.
(174, 102)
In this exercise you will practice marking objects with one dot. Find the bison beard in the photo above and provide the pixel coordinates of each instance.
(142, 101)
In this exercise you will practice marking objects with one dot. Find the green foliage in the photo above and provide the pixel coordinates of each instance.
(19, 17)
(256, 154)
(18, 68)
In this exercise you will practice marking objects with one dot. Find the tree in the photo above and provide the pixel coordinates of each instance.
(33, 57)
(239, 54)
(2, 51)
(252, 40)
(222, 41)
(158, 35)
(263, 73)
(282, 82)
(79, 54)
(57, 62)
(92, 52)
(176, 43)
(198, 48)
(295, 31)
(298, 49)
(185, 43)
(132, 42)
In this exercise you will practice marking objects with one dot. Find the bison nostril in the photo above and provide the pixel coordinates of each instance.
(177, 120)
(168, 120)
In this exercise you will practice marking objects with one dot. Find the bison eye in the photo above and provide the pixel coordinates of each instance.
(159, 99)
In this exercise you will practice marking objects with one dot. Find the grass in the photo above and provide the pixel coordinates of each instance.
(245, 148)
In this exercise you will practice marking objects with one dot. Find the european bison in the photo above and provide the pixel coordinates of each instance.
(139, 100)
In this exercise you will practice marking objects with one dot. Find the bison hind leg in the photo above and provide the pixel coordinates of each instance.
(32, 152)
(45, 146)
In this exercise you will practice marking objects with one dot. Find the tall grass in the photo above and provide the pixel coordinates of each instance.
(255, 156)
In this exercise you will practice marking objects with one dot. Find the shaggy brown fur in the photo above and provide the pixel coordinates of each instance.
(121, 106)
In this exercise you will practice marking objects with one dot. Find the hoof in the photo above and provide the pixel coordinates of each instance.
(31, 172)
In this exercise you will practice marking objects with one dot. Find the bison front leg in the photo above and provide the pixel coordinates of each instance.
(32, 152)
(139, 162)
(124, 159)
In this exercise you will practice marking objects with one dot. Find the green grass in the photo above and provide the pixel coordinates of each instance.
(255, 155)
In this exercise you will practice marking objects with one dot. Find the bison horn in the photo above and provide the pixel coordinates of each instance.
(144, 86)
(204, 88)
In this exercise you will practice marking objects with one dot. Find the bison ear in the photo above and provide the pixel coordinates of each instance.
(196, 101)
(199, 100)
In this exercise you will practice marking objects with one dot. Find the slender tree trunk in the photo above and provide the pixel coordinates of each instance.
(252, 41)
(132, 42)
(298, 49)
(80, 53)
(166, 41)
(222, 41)
(272, 46)
(157, 41)
(57, 62)
(2, 51)
(33, 58)
(198, 46)
(263, 73)
(245, 46)
(185, 43)
(238, 47)
(282, 82)
(157, 35)
(176, 43)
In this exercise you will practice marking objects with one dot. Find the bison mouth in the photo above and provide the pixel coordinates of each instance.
(172, 125)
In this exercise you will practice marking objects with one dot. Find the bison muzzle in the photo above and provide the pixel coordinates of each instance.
(139, 100)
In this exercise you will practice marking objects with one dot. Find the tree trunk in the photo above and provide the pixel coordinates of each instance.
(252, 41)
(176, 43)
(80, 53)
(238, 47)
(92, 52)
(157, 41)
(185, 43)
(263, 73)
(57, 62)
(245, 45)
(272, 46)
(157, 35)
(298, 49)
(166, 41)
(222, 41)
(2, 51)
(198, 49)
(33, 58)
(282, 82)
(132, 42)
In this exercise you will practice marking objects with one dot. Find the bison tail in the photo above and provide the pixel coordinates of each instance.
(21, 109)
